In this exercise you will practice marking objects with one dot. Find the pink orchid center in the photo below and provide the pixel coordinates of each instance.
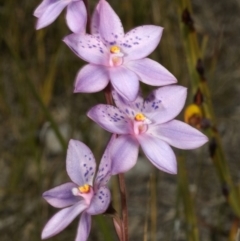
(140, 124)
(85, 191)
(116, 56)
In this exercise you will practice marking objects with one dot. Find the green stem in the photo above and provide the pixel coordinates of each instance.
(192, 229)
(198, 81)
(30, 85)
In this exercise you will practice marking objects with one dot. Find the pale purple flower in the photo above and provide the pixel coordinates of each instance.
(82, 195)
(149, 124)
(49, 10)
(117, 57)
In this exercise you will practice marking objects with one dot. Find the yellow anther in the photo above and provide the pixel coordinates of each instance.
(115, 49)
(140, 117)
(84, 189)
(193, 115)
(192, 110)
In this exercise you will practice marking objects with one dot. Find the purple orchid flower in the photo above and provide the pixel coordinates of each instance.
(149, 124)
(49, 10)
(118, 57)
(82, 195)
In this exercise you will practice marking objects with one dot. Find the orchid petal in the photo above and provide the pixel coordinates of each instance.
(140, 42)
(124, 153)
(110, 118)
(62, 219)
(84, 227)
(179, 134)
(100, 201)
(126, 106)
(77, 17)
(105, 166)
(151, 72)
(61, 196)
(91, 78)
(88, 47)
(42, 7)
(51, 13)
(81, 163)
(159, 153)
(125, 82)
(165, 103)
(110, 26)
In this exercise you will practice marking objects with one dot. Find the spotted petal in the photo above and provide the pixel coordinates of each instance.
(105, 166)
(110, 26)
(91, 78)
(110, 118)
(81, 163)
(141, 41)
(179, 134)
(159, 153)
(95, 21)
(150, 72)
(61, 196)
(84, 227)
(100, 201)
(62, 219)
(77, 17)
(165, 103)
(89, 48)
(126, 106)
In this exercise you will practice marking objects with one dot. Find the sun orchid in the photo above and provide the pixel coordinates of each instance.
(117, 57)
(49, 10)
(149, 124)
(82, 195)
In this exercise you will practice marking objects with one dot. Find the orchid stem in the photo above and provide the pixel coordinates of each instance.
(122, 186)
(108, 96)
(118, 227)
(109, 100)
(124, 205)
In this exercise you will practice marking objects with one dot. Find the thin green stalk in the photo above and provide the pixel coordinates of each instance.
(145, 229)
(199, 83)
(103, 225)
(35, 94)
(192, 228)
(153, 214)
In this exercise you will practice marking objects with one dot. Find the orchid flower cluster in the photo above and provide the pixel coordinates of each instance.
(116, 61)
